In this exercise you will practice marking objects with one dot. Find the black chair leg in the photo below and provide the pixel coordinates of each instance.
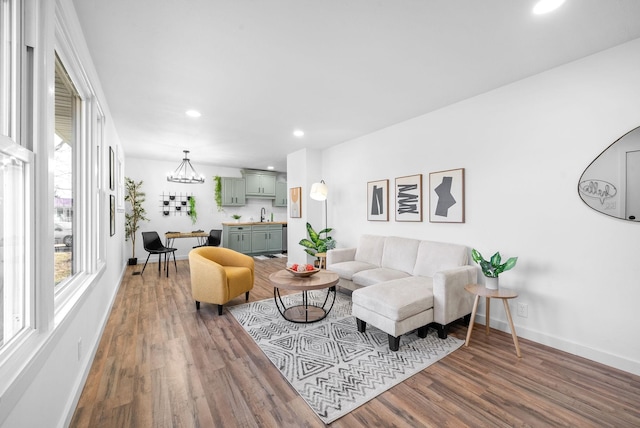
(247, 296)
(174, 260)
(145, 264)
(197, 305)
(219, 309)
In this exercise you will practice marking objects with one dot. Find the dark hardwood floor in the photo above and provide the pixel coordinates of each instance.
(161, 363)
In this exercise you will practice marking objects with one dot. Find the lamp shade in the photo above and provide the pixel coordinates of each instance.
(319, 191)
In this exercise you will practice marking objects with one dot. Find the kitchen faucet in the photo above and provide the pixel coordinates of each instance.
(263, 213)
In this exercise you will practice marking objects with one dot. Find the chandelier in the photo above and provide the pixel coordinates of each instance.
(185, 173)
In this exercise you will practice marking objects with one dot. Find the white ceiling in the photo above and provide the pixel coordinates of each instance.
(338, 69)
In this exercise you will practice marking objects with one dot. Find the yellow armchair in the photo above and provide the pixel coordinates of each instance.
(219, 275)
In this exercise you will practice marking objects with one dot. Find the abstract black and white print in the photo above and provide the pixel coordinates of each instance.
(446, 196)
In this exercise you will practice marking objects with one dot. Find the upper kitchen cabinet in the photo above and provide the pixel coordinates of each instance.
(233, 192)
(261, 184)
(281, 194)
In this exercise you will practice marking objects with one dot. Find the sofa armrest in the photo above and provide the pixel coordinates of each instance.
(339, 255)
(450, 300)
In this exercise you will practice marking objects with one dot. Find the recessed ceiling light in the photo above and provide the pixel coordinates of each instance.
(193, 113)
(546, 6)
(298, 133)
(270, 167)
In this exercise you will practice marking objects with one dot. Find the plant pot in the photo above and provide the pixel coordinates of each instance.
(491, 283)
(133, 261)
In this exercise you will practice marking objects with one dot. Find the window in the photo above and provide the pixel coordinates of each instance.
(15, 179)
(67, 108)
(14, 292)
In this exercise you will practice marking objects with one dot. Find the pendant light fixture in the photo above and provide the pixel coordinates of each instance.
(185, 173)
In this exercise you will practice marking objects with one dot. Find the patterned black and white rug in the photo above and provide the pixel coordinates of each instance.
(332, 366)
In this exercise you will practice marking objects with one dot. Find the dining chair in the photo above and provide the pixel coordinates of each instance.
(153, 245)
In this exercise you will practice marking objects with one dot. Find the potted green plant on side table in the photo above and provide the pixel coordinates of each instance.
(492, 268)
(135, 215)
(315, 245)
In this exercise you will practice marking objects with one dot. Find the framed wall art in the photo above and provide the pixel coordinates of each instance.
(295, 202)
(378, 200)
(112, 169)
(120, 182)
(112, 215)
(446, 196)
(409, 198)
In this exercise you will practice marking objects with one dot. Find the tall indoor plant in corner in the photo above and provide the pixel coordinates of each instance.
(492, 268)
(136, 213)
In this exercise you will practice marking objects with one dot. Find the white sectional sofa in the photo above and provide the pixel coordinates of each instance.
(403, 284)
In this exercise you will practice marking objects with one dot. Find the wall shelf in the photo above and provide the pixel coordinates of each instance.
(175, 203)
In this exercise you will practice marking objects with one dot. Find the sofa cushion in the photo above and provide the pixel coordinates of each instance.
(346, 270)
(397, 299)
(437, 256)
(373, 276)
(400, 253)
(370, 249)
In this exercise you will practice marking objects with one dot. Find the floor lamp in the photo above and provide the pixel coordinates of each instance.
(319, 192)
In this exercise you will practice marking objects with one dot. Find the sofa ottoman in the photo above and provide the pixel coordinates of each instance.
(397, 307)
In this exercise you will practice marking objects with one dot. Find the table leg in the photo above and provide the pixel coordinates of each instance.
(487, 305)
(513, 329)
(473, 318)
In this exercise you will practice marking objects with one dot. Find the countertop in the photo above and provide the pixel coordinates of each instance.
(252, 223)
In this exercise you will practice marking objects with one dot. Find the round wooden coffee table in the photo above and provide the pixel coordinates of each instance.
(307, 312)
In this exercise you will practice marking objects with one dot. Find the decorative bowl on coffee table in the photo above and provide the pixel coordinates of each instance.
(303, 274)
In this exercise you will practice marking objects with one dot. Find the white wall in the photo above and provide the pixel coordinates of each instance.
(304, 169)
(153, 174)
(524, 148)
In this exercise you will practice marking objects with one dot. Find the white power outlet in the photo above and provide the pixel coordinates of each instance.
(523, 310)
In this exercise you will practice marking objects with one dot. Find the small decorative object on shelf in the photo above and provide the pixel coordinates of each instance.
(492, 268)
(236, 217)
